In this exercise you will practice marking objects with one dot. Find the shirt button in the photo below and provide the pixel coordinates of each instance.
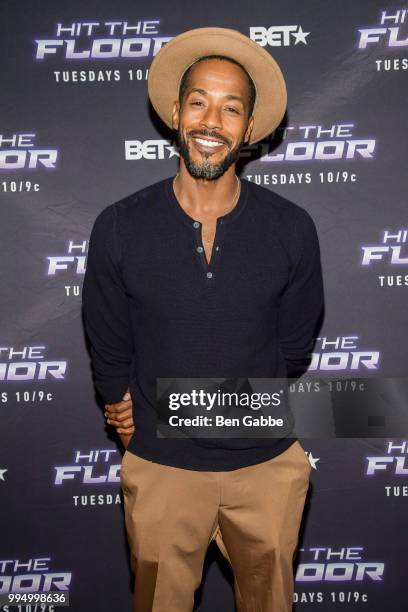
(196, 224)
(209, 274)
(217, 248)
(200, 249)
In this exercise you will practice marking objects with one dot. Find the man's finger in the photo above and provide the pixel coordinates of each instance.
(119, 407)
(130, 430)
(126, 395)
(127, 423)
(119, 416)
(120, 423)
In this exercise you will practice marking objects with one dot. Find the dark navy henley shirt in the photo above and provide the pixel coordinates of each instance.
(153, 307)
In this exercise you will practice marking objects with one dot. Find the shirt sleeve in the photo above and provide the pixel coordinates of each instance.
(106, 310)
(303, 300)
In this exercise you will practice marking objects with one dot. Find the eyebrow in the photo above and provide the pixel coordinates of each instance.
(228, 96)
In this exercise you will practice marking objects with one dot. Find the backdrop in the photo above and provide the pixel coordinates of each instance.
(77, 133)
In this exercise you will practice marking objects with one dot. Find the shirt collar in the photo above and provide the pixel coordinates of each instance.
(227, 218)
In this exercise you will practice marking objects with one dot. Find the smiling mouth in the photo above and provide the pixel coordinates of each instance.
(212, 144)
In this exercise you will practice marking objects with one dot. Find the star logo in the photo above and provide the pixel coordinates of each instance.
(2, 472)
(173, 151)
(300, 36)
(313, 460)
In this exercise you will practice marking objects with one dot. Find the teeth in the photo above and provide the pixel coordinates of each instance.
(208, 143)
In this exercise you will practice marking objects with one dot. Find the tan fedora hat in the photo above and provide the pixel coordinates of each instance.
(183, 50)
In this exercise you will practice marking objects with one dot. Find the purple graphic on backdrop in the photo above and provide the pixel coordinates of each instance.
(31, 575)
(392, 250)
(74, 261)
(344, 564)
(342, 354)
(390, 253)
(19, 152)
(305, 143)
(394, 462)
(96, 466)
(391, 30)
(28, 363)
(96, 40)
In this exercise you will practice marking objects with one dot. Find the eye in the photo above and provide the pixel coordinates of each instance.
(231, 108)
(197, 103)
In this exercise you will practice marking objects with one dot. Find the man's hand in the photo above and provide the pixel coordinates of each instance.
(120, 416)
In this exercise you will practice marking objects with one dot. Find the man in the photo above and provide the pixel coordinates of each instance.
(204, 276)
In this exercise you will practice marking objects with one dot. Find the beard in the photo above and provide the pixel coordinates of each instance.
(206, 169)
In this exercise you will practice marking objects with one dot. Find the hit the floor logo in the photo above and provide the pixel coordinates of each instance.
(314, 142)
(101, 40)
(394, 462)
(91, 467)
(392, 249)
(28, 363)
(31, 575)
(389, 254)
(391, 31)
(390, 468)
(19, 151)
(331, 564)
(90, 477)
(342, 354)
(73, 260)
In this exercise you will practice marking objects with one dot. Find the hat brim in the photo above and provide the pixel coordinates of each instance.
(183, 50)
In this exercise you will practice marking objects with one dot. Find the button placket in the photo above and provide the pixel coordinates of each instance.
(210, 268)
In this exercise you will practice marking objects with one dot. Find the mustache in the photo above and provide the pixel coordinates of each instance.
(210, 134)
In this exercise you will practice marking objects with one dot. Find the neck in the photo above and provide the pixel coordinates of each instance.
(202, 197)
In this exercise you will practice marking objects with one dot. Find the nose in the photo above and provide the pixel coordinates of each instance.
(211, 119)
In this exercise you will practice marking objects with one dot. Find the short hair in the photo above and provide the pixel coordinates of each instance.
(252, 89)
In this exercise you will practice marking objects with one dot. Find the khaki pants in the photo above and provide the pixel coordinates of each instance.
(253, 514)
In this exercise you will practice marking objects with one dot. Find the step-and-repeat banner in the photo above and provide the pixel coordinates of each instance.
(77, 134)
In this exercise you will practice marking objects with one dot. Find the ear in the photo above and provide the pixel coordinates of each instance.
(175, 116)
(248, 131)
